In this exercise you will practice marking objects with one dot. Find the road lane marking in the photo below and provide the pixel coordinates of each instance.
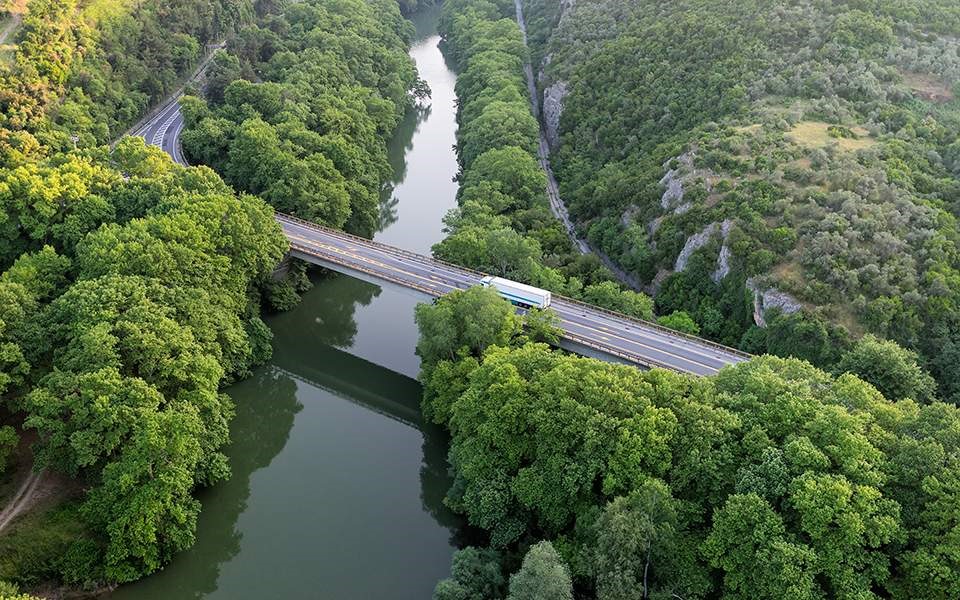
(336, 250)
(653, 335)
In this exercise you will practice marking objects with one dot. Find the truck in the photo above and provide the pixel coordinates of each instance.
(518, 294)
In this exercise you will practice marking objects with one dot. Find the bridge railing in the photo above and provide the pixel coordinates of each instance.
(425, 259)
(357, 267)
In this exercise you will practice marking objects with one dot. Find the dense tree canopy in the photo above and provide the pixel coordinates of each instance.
(84, 72)
(300, 107)
(768, 156)
(132, 294)
(772, 479)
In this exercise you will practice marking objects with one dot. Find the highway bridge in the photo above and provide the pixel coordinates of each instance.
(587, 330)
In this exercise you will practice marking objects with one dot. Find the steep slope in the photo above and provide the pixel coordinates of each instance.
(785, 172)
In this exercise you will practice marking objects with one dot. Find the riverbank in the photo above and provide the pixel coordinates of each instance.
(337, 484)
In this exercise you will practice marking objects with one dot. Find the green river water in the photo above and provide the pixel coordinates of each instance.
(337, 485)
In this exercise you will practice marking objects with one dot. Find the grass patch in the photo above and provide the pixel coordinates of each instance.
(31, 549)
(817, 134)
(96, 11)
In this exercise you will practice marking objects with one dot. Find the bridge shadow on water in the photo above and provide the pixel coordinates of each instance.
(356, 380)
(306, 358)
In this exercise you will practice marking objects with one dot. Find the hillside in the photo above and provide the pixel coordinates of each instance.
(784, 172)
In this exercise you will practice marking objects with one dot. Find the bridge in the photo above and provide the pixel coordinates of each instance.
(587, 330)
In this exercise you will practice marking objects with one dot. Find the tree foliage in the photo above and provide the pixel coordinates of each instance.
(770, 479)
(131, 295)
(89, 72)
(301, 118)
(800, 156)
(543, 576)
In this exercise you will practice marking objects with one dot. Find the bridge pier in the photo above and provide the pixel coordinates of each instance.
(282, 270)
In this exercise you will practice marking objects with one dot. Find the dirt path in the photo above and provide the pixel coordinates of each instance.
(557, 206)
(21, 500)
(7, 32)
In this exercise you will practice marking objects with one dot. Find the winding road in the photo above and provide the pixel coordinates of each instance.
(586, 329)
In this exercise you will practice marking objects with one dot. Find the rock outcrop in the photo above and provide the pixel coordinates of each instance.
(694, 243)
(723, 261)
(553, 97)
(672, 198)
(765, 299)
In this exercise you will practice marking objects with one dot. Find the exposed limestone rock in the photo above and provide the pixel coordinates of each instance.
(566, 6)
(694, 243)
(723, 261)
(654, 225)
(553, 98)
(672, 198)
(769, 298)
(542, 72)
(658, 280)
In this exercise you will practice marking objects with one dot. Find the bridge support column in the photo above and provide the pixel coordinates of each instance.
(282, 270)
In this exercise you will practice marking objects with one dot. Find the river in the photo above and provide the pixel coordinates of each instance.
(337, 483)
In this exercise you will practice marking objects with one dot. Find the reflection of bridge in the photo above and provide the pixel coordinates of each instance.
(383, 391)
(587, 330)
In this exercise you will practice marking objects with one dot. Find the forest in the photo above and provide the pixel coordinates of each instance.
(781, 176)
(299, 106)
(773, 479)
(132, 288)
(786, 174)
(85, 72)
(131, 294)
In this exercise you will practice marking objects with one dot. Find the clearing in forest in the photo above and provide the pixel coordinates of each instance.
(817, 134)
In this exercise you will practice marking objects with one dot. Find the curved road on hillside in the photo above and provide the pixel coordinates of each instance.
(602, 332)
(163, 131)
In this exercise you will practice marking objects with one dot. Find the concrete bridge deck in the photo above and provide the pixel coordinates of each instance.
(587, 330)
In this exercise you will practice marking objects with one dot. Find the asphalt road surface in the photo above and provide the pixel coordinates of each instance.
(163, 131)
(635, 341)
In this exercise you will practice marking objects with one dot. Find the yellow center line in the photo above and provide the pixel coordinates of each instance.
(365, 259)
(599, 333)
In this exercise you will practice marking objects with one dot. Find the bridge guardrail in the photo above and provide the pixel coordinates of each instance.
(659, 328)
(406, 283)
(639, 322)
(634, 358)
(362, 269)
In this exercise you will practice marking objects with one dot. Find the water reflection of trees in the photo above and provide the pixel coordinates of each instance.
(325, 315)
(397, 149)
(435, 481)
(266, 408)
